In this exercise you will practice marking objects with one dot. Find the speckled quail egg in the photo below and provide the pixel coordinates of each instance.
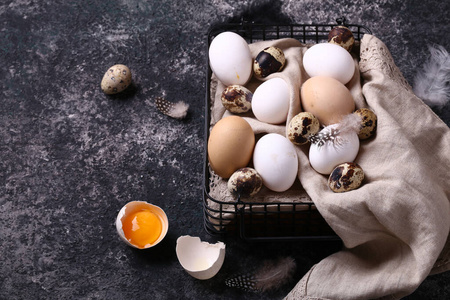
(369, 123)
(268, 61)
(301, 127)
(237, 99)
(245, 182)
(116, 79)
(342, 36)
(346, 177)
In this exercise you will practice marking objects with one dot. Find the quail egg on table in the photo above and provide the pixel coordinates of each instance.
(141, 225)
(199, 259)
(268, 61)
(237, 99)
(345, 177)
(116, 79)
(245, 182)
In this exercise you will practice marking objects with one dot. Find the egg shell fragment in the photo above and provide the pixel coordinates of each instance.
(245, 182)
(134, 206)
(326, 59)
(237, 99)
(116, 79)
(276, 161)
(346, 177)
(327, 99)
(230, 145)
(270, 102)
(230, 58)
(201, 260)
(268, 61)
(324, 158)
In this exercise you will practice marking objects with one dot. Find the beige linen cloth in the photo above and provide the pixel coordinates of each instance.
(395, 227)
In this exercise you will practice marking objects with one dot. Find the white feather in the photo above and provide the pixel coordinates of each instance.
(179, 110)
(432, 84)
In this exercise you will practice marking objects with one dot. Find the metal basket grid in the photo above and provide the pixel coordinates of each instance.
(266, 221)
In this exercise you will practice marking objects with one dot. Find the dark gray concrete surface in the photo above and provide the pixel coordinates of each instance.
(71, 157)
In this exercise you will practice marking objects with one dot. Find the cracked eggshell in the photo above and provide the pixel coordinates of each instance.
(116, 79)
(201, 260)
(136, 206)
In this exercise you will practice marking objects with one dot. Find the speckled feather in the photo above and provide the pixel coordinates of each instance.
(175, 110)
(270, 276)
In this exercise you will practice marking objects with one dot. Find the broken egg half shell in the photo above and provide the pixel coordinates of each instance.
(346, 177)
(116, 79)
(141, 225)
(201, 260)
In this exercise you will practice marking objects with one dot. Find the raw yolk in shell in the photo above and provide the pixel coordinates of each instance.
(142, 228)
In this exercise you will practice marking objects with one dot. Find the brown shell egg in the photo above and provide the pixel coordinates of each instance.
(369, 123)
(245, 182)
(230, 145)
(237, 99)
(116, 79)
(268, 61)
(301, 127)
(346, 177)
(342, 36)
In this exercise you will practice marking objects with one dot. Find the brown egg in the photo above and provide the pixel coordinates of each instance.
(268, 61)
(302, 127)
(230, 145)
(346, 177)
(237, 99)
(369, 123)
(245, 182)
(327, 99)
(342, 36)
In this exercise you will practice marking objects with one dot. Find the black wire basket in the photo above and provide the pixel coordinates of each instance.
(259, 221)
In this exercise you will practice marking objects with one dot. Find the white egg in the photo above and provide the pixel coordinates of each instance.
(275, 159)
(230, 59)
(324, 158)
(270, 102)
(329, 60)
(201, 260)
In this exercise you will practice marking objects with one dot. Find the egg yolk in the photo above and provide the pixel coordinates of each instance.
(142, 228)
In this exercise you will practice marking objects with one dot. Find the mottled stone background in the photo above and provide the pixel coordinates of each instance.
(71, 157)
